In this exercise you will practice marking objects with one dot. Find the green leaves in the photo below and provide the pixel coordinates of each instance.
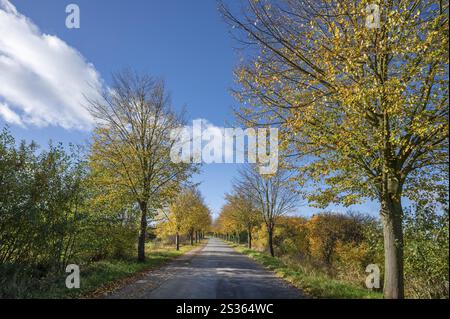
(41, 205)
(426, 252)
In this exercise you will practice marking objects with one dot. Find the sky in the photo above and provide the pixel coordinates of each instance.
(46, 69)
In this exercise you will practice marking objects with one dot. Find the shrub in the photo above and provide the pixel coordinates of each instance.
(326, 230)
(291, 237)
(426, 252)
(50, 216)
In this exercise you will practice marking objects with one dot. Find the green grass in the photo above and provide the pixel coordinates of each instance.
(100, 277)
(314, 284)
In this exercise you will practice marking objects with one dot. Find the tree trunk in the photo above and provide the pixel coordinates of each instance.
(177, 240)
(191, 235)
(249, 236)
(143, 232)
(391, 216)
(270, 233)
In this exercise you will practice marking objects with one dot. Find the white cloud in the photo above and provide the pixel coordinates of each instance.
(9, 115)
(43, 81)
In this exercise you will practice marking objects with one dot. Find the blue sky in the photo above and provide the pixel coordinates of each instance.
(185, 42)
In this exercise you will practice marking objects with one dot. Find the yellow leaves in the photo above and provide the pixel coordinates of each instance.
(354, 91)
(237, 214)
(328, 232)
(186, 213)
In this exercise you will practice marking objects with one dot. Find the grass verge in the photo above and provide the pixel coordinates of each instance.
(316, 285)
(101, 277)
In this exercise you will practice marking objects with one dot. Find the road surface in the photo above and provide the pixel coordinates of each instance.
(215, 272)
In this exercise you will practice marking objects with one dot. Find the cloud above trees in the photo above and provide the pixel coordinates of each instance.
(44, 81)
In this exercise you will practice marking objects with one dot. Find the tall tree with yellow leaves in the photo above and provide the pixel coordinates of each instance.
(359, 90)
(130, 152)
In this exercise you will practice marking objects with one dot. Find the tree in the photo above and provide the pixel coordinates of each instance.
(363, 109)
(198, 218)
(132, 143)
(187, 214)
(113, 219)
(225, 223)
(272, 195)
(244, 213)
(230, 224)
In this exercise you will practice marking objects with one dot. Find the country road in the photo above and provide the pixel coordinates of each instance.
(214, 272)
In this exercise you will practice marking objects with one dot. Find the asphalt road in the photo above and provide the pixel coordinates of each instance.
(217, 271)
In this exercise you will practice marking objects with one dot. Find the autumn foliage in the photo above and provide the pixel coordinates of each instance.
(343, 245)
(362, 110)
(187, 216)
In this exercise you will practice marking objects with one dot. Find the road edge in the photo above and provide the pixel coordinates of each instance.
(109, 288)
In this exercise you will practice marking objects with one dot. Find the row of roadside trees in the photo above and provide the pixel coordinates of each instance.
(362, 109)
(257, 199)
(187, 216)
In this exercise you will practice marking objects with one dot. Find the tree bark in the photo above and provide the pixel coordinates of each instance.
(143, 232)
(191, 235)
(177, 240)
(391, 216)
(271, 250)
(249, 236)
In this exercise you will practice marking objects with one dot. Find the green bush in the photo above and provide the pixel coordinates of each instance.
(39, 204)
(49, 217)
(426, 252)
